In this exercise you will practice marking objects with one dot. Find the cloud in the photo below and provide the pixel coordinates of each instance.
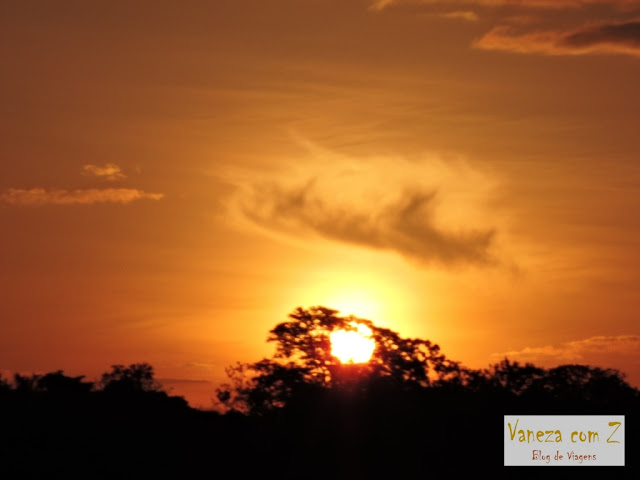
(433, 209)
(595, 350)
(182, 381)
(467, 15)
(590, 27)
(616, 38)
(109, 171)
(40, 196)
(379, 5)
(406, 226)
(621, 34)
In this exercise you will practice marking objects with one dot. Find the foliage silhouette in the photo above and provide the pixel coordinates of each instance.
(5, 386)
(58, 382)
(303, 362)
(136, 378)
(24, 383)
(302, 366)
(124, 426)
(408, 412)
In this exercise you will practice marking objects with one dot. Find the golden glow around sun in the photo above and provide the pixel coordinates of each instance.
(361, 296)
(352, 346)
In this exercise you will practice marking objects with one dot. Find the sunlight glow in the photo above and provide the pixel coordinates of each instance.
(363, 298)
(352, 346)
(383, 294)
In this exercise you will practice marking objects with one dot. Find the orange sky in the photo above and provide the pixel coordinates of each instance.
(175, 179)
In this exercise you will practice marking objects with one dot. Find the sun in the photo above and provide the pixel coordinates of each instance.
(352, 346)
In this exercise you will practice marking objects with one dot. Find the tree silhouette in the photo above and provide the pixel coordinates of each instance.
(408, 412)
(57, 382)
(137, 377)
(303, 362)
(509, 376)
(4, 385)
(303, 367)
(25, 383)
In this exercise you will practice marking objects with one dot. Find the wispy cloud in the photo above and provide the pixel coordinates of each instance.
(182, 381)
(617, 38)
(378, 5)
(595, 350)
(625, 35)
(430, 210)
(580, 27)
(109, 171)
(41, 196)
(550, 4)
(467, 15)
(406, 226)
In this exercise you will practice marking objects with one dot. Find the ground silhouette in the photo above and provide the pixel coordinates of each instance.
(410, 411)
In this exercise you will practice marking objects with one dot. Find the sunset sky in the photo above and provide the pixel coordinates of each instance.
(177, 177)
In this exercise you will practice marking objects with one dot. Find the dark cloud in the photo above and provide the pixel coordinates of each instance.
(623, 33)
(614, 38)
(406, 226)
(547, 4)
(580, 26)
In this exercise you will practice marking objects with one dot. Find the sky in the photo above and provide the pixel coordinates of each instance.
(177, 177)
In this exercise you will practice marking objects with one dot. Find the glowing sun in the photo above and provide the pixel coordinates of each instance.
(352, 346)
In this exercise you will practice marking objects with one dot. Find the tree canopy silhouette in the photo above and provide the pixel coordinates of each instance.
(137, 377)
(409, 411)
(303, 364)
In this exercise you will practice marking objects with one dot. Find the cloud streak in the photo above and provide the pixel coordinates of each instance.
(406, 226)
(379, 5)
(576, 27)
(615, 38)
(616, 349)
(41, 196)
(467, 15)
(622, 34)
(109, 171)
(433, 209)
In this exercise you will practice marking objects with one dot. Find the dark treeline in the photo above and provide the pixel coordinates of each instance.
(409, 412)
